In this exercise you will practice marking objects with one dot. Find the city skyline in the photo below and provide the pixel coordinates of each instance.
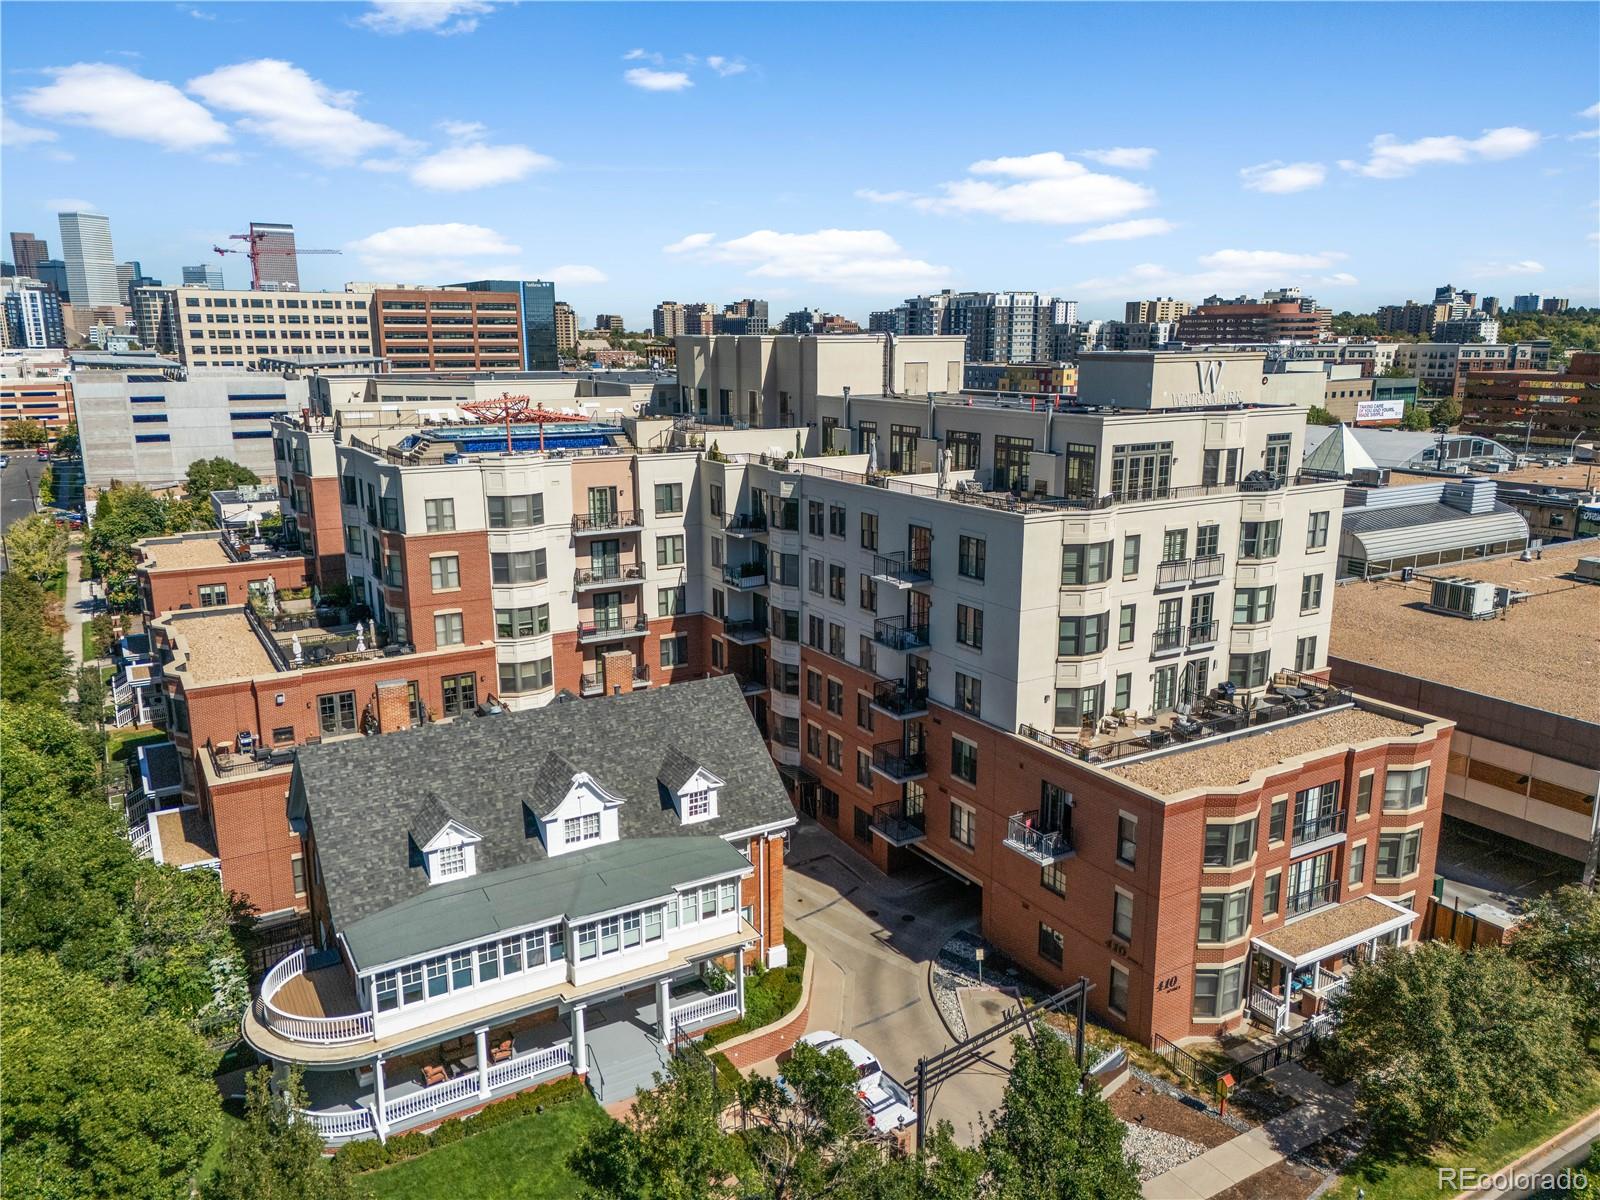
(319, 125)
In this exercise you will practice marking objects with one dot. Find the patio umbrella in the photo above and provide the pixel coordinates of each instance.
(271, 596)
(944, 470)
(294, 647)
(361, 637)
(872, 455)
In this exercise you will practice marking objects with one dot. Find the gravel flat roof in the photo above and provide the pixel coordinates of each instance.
(1543, 652)
(162, 553)
(185, 837)
(1232, 762)
(220, 646)
(1329, 926)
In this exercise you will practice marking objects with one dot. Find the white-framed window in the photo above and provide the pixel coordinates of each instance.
(585, 828)
(446, 569)
(451, 861)
(448, 629)
(697, 804)
(1405, 789)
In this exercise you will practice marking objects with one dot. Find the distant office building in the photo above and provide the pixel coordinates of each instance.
(999, 326)
(1374, 358)
(1553, 305)
(1279, 316)
(700, 319)
(1527, 304)
(91, 264)
(277, 267)
(1491, 305)
(47, 401)
(536, 303)
(668, 320)
(1028, 379)
(1453, 297)
(610, 323)
(204, 276)
(155, 317)
(33, 316)
(28, 252)
(1143, 312)
(445, 329)
(566, 326)
(801, 321)
(1547, 410)
(240, 328)
(742, 316)
(130, 277)
(1134, 335)
(1442, 366)
(834, 323)
(1474, 327)
(52, 272)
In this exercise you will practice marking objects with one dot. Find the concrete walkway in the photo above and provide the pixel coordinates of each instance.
(77, 608)
(1322, 1110)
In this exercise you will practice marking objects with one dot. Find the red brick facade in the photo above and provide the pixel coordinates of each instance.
(169, 589)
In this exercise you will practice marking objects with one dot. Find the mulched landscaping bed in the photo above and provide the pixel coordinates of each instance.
(1138, 1103)
(1284, 1181)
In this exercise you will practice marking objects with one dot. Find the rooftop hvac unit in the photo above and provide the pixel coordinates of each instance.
(1470, 598)
(1589, 569)
(1505, 597)
(1371, 476)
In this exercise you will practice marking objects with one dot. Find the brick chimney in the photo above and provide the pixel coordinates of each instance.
(619, 672)
(393, 705)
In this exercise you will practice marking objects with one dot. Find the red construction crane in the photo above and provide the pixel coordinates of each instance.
(256, 250)
(512, 410)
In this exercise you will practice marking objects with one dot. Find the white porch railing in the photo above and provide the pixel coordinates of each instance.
(317, 1030)
(1270, 1008)
(339, 1124)
(440, 1095)
(1328, 984)
(139, 835)
(526, 1066)
(707, 1008)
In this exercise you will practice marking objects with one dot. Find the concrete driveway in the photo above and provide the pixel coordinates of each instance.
(875, 938)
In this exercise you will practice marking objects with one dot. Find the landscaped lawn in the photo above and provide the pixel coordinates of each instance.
(1503, 1144)
(523, 1159)
(121, 743)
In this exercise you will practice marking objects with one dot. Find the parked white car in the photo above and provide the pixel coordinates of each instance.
(886, 1105)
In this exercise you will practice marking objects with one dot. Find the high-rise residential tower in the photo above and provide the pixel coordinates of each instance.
(277, 268)
(91, 265)
(28, 252)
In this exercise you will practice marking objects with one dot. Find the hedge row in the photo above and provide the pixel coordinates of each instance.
(769, 995)
(370, 1154)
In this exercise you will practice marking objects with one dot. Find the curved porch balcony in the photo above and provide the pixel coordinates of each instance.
(314, 1004)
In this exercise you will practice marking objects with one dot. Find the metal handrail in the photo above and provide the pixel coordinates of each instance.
(898, 633)
(621, 519)
(1321, 826)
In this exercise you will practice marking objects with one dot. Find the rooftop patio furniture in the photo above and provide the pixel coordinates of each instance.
(501, 1051)
(432, 1075)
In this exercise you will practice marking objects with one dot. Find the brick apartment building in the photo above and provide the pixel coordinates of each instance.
(47, 401)
(1548, 410)
(1254, 322)
(432, 329)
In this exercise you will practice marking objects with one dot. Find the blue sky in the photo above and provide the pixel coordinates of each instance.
(838, 156)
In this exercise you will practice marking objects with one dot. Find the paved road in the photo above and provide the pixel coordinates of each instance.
(19, 484)
(877, 937)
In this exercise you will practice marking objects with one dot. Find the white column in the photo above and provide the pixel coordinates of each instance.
(738, 976)
(580, 1051)
(378, 1117)
(482, 1033)
(664, 1008)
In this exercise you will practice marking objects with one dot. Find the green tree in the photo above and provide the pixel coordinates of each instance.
(67, 440)
(1559, 938)
(1446, 411)
(1317, 415)
(36, 665)
(37, 547)
(209, 475)
(1416, 419)
(1051, 1139)
(102, 1098)
(276, 1154)
(1444, 1043)
(26, 432)
(1395, 371)
(670, 1147)
(123, 514)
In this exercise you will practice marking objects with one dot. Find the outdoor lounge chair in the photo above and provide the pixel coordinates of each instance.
(501, 1051)
(432, 1075)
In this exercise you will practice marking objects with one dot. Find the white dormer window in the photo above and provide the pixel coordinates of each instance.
(692, 788)
(450, 862)
(585, 828)
(696, 805)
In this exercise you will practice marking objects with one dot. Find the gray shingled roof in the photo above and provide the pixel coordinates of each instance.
(359, 795)
(429, 816)
(677, 768)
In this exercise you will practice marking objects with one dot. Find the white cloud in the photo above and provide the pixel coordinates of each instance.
(727, 66)
(638, 55)
(1124, 231)
(1226, 272)
(1593, 111)
(444, 17)
(573, 274)
(199, 14)
(1279, 178)
(1392, 158)
(1051, 189)
(1526, 266)
(1135, 158)
(122, 103)
(15, 133)
(427, 252)
(283, 104)
(691, 241)
(70, 205)
(471, 131)
(878, 197)
(463, 168)
(863, 260)
(650, 80)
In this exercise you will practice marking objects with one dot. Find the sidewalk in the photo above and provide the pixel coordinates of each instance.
(76, 610)
(1323, 1110)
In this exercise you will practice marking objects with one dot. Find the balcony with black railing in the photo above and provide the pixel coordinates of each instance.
(608, 575)
(900, 633)
(1173, 573)
(745, 632)
(899, 760)
(1039, 838)
(901, 570)
(752, 683)
(623, 520)
(1167, 641)
(1203, 633)
(1311, 899)
(900, 699)
(1316, 828)
(896, 824)
(612, 630)
(742, 525)
(745, 576)
(1208, 568)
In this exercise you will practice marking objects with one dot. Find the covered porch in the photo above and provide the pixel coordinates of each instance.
(617, 1041)
(1296, 971)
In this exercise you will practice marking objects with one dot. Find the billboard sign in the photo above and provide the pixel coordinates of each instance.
(1379, 412)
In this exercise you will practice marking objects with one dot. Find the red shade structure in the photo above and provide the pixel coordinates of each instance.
(509, 410)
